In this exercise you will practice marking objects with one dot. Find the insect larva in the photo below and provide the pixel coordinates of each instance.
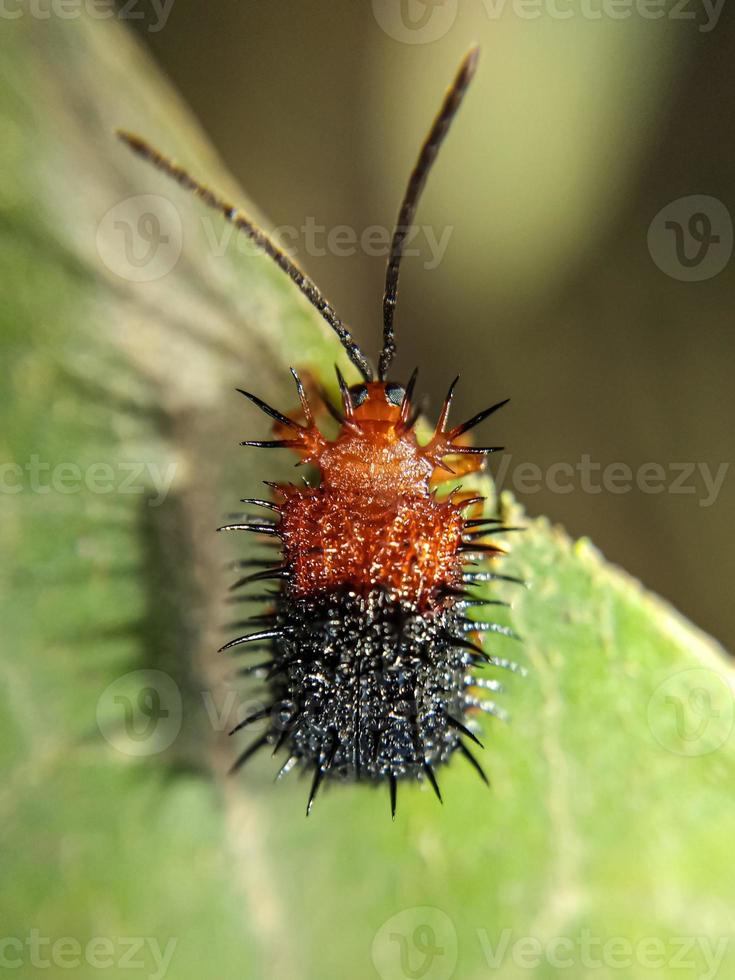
(369, 675)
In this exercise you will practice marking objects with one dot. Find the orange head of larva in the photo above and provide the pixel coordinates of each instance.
(377, 401)
(375, 453)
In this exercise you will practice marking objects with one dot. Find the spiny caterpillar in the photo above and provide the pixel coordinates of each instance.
(371, 649)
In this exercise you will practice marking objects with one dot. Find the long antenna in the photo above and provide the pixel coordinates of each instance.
(417, 180)
(259, 237)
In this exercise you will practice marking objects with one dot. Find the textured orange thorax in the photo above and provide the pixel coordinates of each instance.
(373, 520)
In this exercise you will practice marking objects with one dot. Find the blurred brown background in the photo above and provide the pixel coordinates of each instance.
(585, 121)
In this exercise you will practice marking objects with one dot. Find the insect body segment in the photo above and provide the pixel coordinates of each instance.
(372, 521)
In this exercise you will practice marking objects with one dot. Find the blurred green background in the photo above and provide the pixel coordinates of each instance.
(587, 147)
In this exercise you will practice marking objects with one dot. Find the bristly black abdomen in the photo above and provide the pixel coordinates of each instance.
(368, 688)
(372, 683)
